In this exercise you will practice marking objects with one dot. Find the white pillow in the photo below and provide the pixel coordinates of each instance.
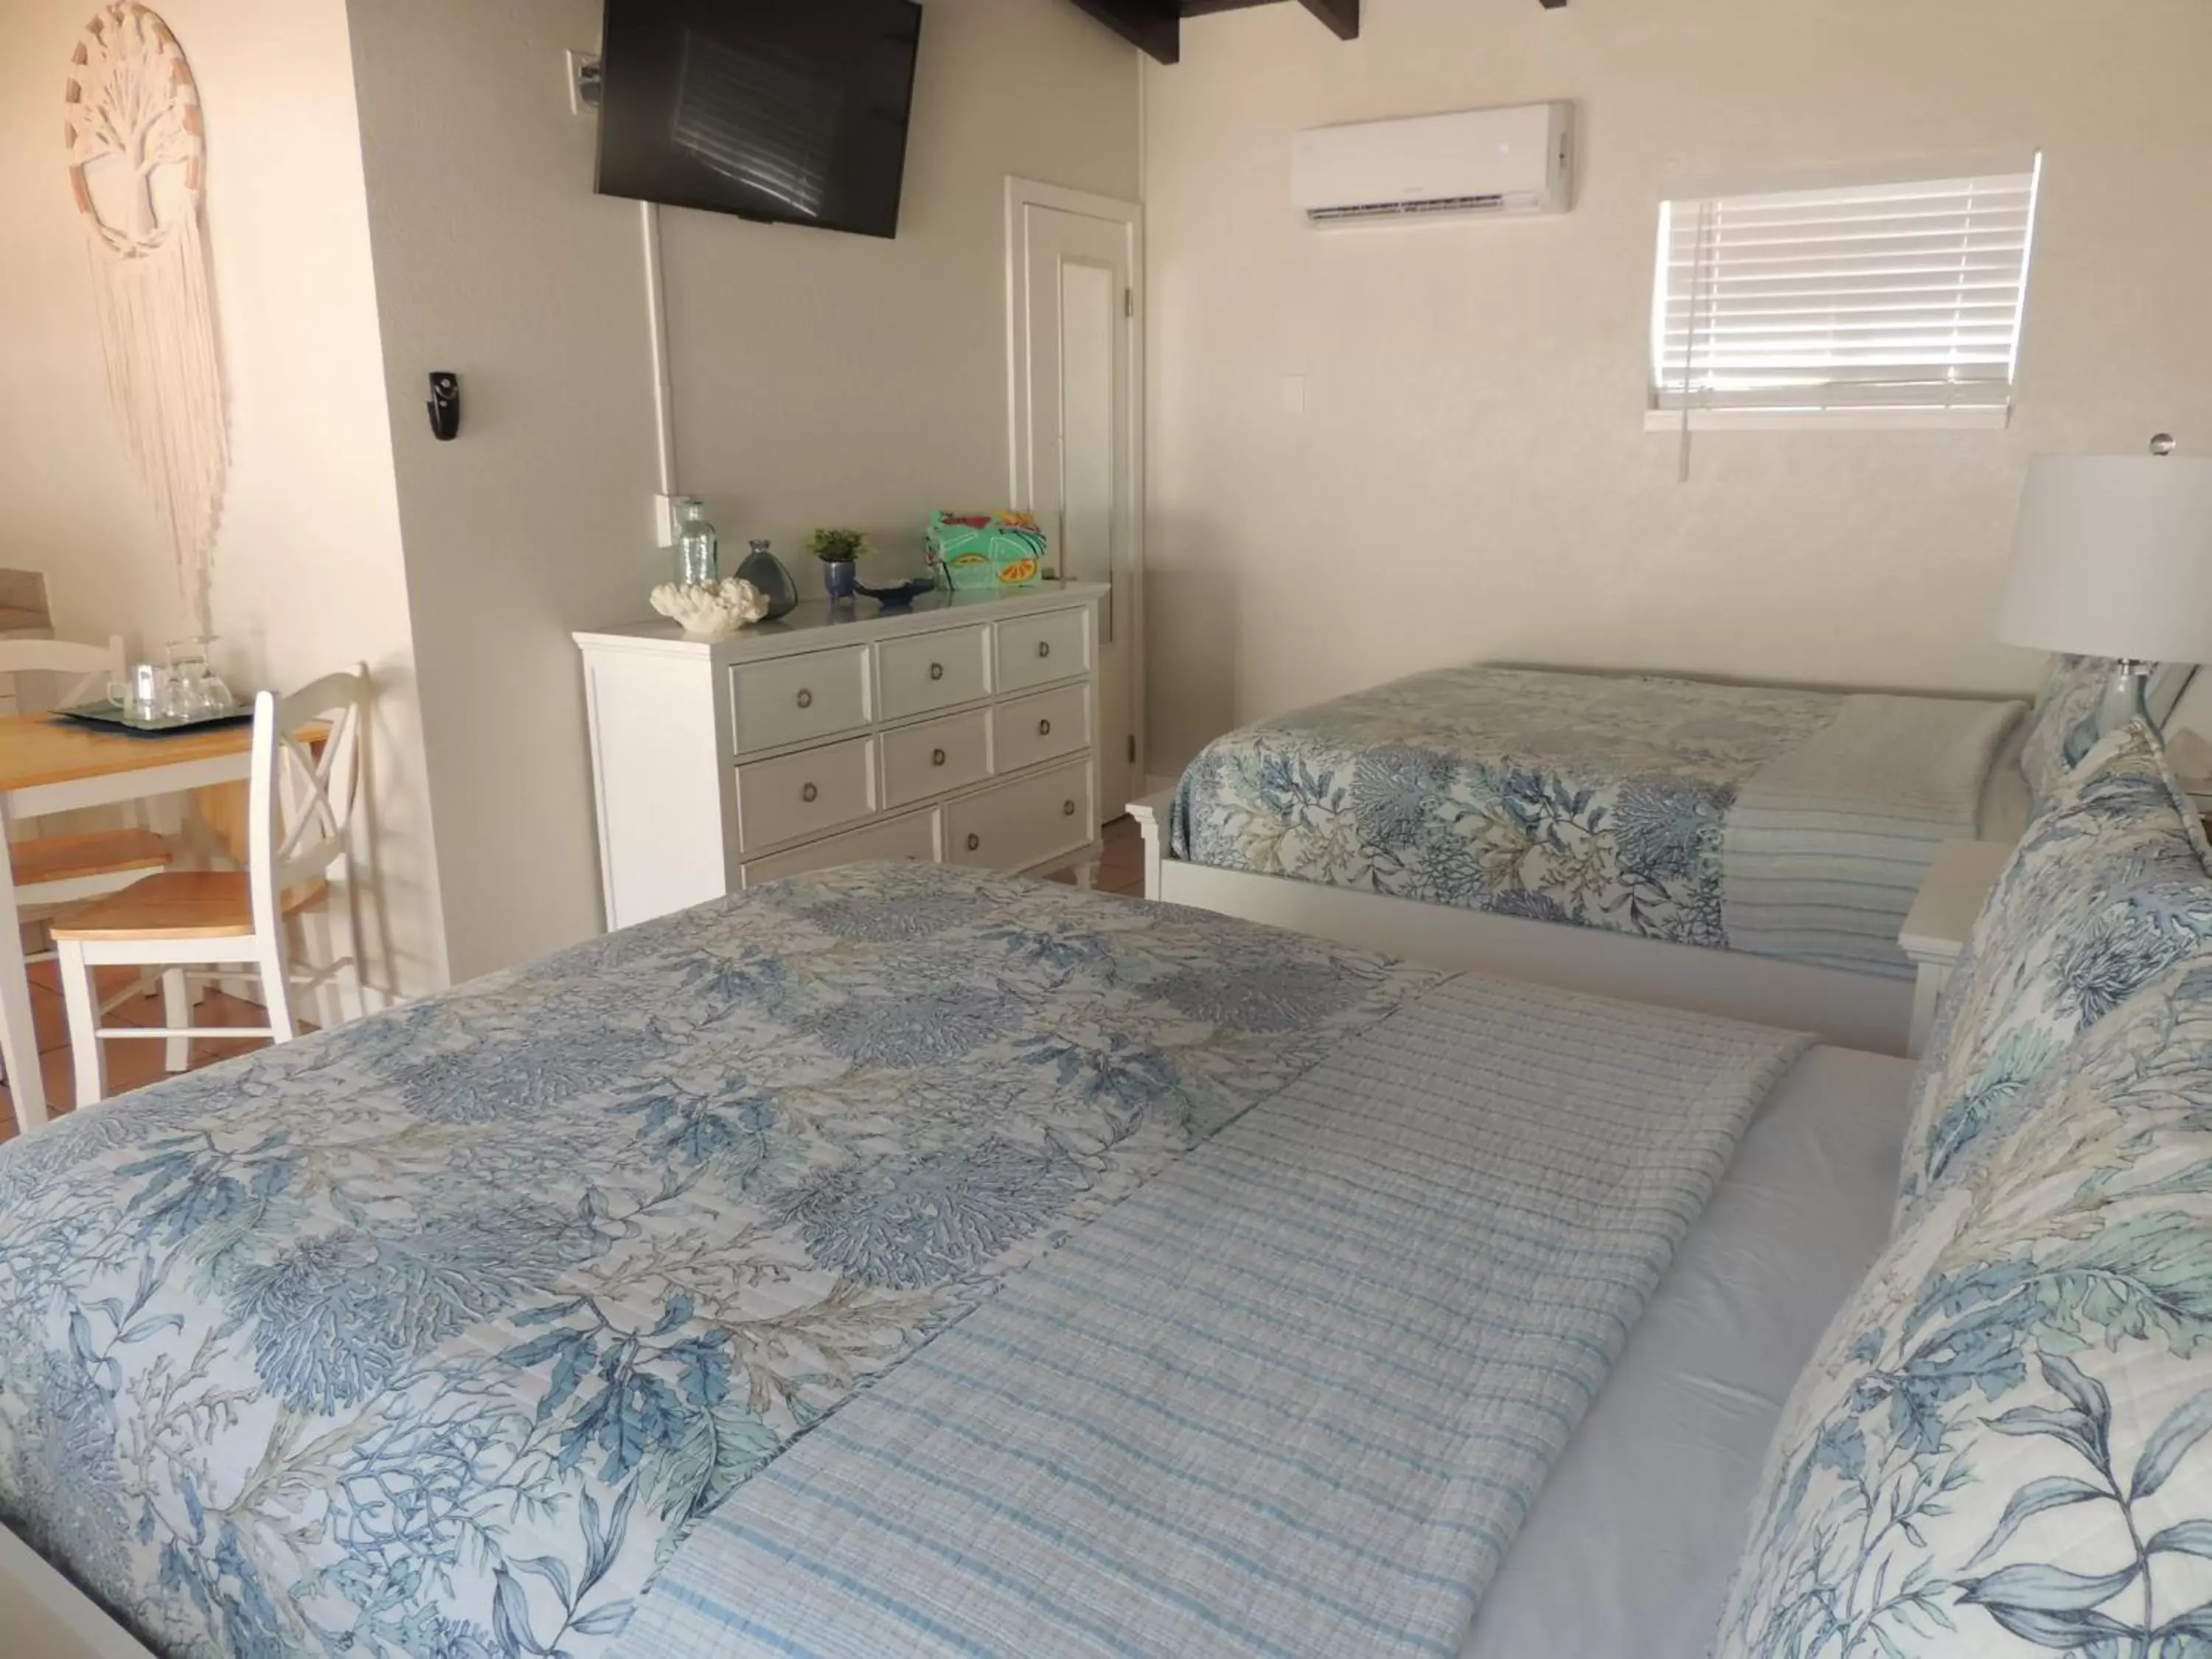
(2000, 1451)
(2111, 885)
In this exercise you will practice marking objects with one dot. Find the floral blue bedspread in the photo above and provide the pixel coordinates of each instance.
(431, 1336)
(1558, 797)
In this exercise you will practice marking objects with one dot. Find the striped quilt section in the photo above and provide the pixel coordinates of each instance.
(1292, 1398)
(1826, 845)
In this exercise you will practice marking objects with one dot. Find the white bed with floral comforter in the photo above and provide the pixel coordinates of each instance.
(1786, 824)
(436, 1336)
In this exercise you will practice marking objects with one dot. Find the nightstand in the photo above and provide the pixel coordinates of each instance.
(1951, 897)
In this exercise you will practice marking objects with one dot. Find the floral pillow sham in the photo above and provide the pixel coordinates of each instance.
(2002, 1447)
(2063, 727)
(2109, 888)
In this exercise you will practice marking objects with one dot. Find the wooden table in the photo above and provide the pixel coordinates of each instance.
(51, 765)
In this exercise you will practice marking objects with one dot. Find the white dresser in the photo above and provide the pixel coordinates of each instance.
(963, 731)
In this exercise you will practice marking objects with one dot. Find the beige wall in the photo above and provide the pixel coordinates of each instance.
(831, 380)
(494, 259)
(1472, 479)
(307, 571)
(817, 377)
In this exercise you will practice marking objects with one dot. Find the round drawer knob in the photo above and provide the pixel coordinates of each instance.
(937, 757)
(1067, 809)
(805, 699)
(974, 843)
(936, 670)
(1044, 728)
(809, 793)
(1044, 648)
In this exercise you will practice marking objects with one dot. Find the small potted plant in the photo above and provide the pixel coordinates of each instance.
(838, 549)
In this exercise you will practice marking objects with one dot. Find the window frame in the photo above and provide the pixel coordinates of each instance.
(1664, 413)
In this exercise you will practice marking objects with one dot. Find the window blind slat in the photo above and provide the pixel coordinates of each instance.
(1786, 314)
(1935, 193)
(1950, 211)
(1727, 236)
(1993, 264)
(1897, 296)
(1924, 251)
(1909, 319)
(1887, 395)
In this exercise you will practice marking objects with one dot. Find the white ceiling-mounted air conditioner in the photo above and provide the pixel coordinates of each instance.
(1477, 161)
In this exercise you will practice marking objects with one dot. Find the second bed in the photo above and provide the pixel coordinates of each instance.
(1747, 849)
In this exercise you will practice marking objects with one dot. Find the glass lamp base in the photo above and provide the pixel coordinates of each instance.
(2128, 698)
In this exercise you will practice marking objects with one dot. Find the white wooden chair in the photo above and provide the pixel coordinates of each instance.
(52, 872)
(301, 793)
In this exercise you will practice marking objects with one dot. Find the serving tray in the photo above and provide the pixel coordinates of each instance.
(108, 717)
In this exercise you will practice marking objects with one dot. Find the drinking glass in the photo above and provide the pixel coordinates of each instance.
(200, 691)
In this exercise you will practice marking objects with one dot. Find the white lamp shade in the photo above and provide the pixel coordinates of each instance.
(2114, 559)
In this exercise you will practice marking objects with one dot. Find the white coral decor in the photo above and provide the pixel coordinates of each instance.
(711, 611)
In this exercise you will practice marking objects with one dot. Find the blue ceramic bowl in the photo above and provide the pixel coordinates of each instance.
(897, 599)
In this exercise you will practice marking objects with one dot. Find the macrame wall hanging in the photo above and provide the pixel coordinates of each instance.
(137, 161)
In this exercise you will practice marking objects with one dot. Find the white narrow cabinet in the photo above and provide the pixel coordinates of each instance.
(964, 731)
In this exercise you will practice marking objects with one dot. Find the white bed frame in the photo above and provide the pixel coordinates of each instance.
(1853, 1011)
(44, 1616)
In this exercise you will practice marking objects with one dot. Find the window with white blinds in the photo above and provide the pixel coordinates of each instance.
(1879, 302)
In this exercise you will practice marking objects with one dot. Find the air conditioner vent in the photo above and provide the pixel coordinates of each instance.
(1493, 162)
(1492, 204)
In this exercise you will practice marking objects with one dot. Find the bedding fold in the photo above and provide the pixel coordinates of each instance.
(1827, 844)
(1294, 1397)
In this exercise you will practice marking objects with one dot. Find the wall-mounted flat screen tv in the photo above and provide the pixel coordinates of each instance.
(793, 110)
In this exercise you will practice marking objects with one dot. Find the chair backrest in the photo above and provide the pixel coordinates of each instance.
(302, 788)
(95, 664)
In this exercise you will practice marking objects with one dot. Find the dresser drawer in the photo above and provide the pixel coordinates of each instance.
(797, 699)
(933, 670)
(1024, 822)
(1042, 727)
(912, 836)
(1037, 650)
(800, 794)
(925, 760)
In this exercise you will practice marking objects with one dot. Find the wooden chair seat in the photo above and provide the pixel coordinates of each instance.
(179, 904)
(52, 859)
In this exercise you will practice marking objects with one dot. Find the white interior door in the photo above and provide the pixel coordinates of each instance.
(1073, 265)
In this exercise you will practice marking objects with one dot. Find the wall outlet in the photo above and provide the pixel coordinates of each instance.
(583, 82)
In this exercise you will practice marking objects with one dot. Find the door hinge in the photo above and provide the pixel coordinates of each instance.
(1133, 748)
(1128, 302)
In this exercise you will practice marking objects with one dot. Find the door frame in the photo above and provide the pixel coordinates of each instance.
(1021, 194)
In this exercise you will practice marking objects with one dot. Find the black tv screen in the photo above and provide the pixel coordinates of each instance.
(793, 111)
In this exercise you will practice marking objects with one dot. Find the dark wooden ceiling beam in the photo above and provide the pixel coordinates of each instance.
(1155, 26)
(1152, 26)
(1341, 15)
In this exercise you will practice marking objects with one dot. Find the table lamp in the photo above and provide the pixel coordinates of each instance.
(2113, 558)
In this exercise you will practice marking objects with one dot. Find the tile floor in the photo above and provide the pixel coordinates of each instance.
(1122, 870)
(132, 1064)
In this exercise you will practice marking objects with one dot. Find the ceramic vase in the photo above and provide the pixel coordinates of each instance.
(766, 572)
(839, 575)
